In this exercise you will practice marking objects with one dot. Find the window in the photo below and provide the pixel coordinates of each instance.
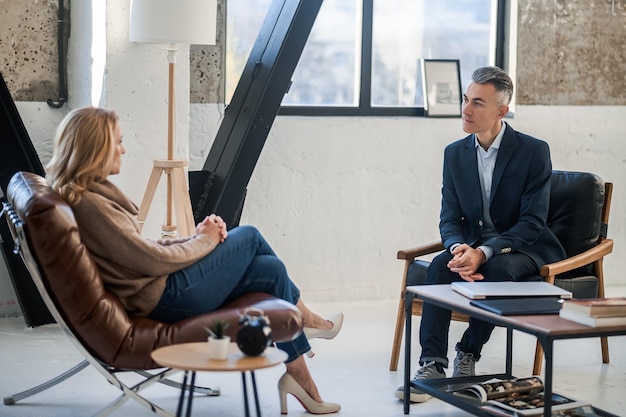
(363, 56)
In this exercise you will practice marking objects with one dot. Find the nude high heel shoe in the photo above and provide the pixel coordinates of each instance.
(312, 333)
(288, 385)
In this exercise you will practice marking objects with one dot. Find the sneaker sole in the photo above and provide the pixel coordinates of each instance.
(414, 397)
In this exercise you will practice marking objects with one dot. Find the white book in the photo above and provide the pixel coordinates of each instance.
(591, 320)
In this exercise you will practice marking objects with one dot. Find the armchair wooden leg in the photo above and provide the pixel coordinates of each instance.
(604, 342)
(397, 336)
(538, 359)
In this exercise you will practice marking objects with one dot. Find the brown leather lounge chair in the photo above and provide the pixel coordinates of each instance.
(46, 236)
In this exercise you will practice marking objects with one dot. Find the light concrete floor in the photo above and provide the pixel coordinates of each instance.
(352, 369)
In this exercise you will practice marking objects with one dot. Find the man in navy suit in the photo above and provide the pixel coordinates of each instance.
(495, 198)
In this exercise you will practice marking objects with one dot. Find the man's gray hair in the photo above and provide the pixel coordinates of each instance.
(499, 79)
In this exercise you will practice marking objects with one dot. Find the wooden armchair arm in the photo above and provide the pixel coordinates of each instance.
(589, 256)
(412, 253)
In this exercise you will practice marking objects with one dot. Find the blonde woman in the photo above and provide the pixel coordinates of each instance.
(170, 280)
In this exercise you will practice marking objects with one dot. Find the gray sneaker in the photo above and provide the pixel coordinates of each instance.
(428, 371)
(464, 365)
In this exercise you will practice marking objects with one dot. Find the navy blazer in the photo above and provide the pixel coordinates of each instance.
(520, 198)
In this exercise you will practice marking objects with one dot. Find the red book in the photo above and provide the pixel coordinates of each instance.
(597, 307)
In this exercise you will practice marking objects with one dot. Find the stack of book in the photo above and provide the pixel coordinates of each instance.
(596, 312)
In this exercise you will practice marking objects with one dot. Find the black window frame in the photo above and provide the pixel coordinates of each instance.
(364, 107)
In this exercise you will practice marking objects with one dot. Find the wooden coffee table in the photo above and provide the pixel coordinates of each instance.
(193, 357)
(547, 328)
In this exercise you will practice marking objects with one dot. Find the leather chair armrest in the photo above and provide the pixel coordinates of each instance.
(412, 253)
(589, 256)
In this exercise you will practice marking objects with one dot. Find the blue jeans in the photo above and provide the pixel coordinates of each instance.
(243, 263)
(435, 323)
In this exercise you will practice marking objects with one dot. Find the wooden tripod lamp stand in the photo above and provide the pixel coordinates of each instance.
(172, 22)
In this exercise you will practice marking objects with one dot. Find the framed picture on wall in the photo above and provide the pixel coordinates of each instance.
(441, 81)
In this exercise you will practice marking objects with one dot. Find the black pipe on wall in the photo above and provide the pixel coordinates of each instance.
(61, 49)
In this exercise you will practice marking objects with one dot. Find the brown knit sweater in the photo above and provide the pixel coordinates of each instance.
(132, 267)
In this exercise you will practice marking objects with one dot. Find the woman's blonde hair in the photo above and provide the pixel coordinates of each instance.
(84, 148)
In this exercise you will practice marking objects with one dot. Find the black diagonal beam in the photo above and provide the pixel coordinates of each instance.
(255, 104)
(18, 154)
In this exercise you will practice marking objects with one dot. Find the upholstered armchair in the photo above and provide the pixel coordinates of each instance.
(579, 212)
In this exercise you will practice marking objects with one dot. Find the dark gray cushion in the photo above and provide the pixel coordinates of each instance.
(582, 287)
(416, 274)
(575, 216)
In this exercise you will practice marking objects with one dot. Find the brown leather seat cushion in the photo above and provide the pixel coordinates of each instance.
(95, 316)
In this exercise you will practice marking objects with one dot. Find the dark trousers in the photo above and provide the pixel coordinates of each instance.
(435, 323)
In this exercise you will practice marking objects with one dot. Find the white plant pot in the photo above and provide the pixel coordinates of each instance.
(218, 348)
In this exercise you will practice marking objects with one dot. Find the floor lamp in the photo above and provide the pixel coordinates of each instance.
(172, 22)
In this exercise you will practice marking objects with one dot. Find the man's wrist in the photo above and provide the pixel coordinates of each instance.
(487, 251)
(453, 246)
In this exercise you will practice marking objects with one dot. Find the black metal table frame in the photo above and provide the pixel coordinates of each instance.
(191, 387)
(432, 387)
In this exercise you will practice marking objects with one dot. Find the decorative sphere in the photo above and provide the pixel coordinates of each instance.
(255, 334)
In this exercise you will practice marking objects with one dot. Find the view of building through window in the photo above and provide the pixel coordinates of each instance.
(328, 71)
(403, 32)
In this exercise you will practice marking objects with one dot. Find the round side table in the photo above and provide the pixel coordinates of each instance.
(193, 357)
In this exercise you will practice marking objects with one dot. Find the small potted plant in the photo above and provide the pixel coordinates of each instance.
(218, 341)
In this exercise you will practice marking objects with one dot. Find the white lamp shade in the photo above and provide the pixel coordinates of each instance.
(173, 21)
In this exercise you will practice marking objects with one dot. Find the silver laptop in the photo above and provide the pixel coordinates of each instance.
(481, 290)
